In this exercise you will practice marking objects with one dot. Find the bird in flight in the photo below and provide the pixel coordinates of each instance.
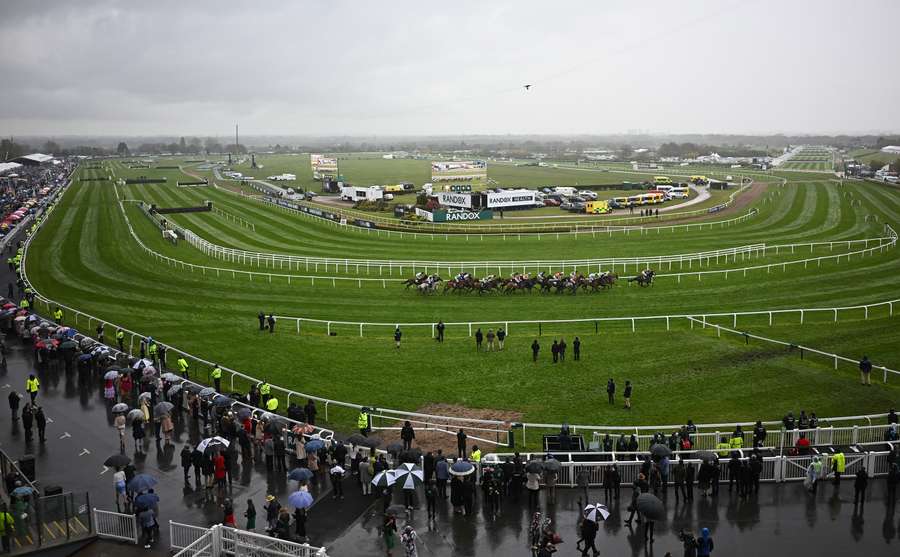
(527, 87)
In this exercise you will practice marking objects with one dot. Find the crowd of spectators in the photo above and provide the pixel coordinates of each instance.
(24, 188)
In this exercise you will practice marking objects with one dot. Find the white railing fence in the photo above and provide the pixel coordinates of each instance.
(631, 321)
(774, 468)
(218, 540)
(116, 526)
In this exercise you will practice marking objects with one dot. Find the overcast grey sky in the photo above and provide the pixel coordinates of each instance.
(337, 67)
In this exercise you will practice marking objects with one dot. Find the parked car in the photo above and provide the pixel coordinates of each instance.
(551, 202)
(588, 194)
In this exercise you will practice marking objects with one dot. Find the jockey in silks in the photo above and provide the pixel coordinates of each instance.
(557, 275)
(419, 276)
(592, 276)
(489, 278)
(461, 277)
(541, 276)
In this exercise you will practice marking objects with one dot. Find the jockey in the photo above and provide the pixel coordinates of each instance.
(540, 275)
(489, 278)
(592, 276)
(420, 275)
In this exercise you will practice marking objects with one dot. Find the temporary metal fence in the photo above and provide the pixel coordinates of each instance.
(402, 414)
(44, 521)
(187, 540)
(117, 526)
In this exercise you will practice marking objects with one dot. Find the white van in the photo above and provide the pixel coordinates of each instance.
(564, 190)
(678, 192)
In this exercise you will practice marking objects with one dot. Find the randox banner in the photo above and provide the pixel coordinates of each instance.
(511, 198)
(442, 215)
(451, 199)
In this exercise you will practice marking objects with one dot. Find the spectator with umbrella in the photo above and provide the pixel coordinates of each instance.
(592, 515)
(652, 509)
(533, 483)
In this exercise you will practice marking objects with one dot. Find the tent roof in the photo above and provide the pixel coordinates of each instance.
(7, 166)
(38, 158)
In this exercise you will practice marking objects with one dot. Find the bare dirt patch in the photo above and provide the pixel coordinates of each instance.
(436, 435)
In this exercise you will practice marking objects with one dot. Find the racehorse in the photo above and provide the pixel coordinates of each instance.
(644, 278)
(430, 285)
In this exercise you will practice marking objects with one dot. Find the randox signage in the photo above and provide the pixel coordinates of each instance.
(442, 215)
(517, 198)
(452, 199)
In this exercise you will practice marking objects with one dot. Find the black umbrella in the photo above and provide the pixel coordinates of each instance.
(411, 455)
(357, 439)
(370, 442)
(534, 467)
(395, 510)
(394, 448)
(552, 465)
(222, 401)
(660, 451)
(707, 457)
(651, 507)
(243, 413)
(117, 461)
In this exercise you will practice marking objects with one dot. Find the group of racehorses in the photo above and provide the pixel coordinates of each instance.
(524, 282)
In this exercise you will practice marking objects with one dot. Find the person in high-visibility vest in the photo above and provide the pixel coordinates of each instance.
(265, 391)
(32, 384)
(736, 443)
(120, 338)
(24, 303)
(272, 405)
(476, 454)
(183, 366)
(362, 422)
(152, 351)
(217, 377)
(58, 315)
(838, 466)
(723, 447)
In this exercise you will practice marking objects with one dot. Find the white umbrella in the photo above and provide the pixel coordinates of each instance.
(383, 479)
(110, 375)
(596, 512)
(145, 395)
(212, 441)
(142, 363)
(409, 475)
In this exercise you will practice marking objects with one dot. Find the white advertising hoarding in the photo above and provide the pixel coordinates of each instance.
(323, 166)
(511, 198)
(458, 171)
(451, 199)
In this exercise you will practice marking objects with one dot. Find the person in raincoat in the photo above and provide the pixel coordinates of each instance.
(7, 524)
(109, 391)
(137, 431)
(813, 474)
(250, 514)
(125, 386)
(167, 428)
(408, 539)
(389, 530)
(704, 543)
(271, 507)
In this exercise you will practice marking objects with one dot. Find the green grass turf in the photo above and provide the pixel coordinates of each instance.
(84, 257)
